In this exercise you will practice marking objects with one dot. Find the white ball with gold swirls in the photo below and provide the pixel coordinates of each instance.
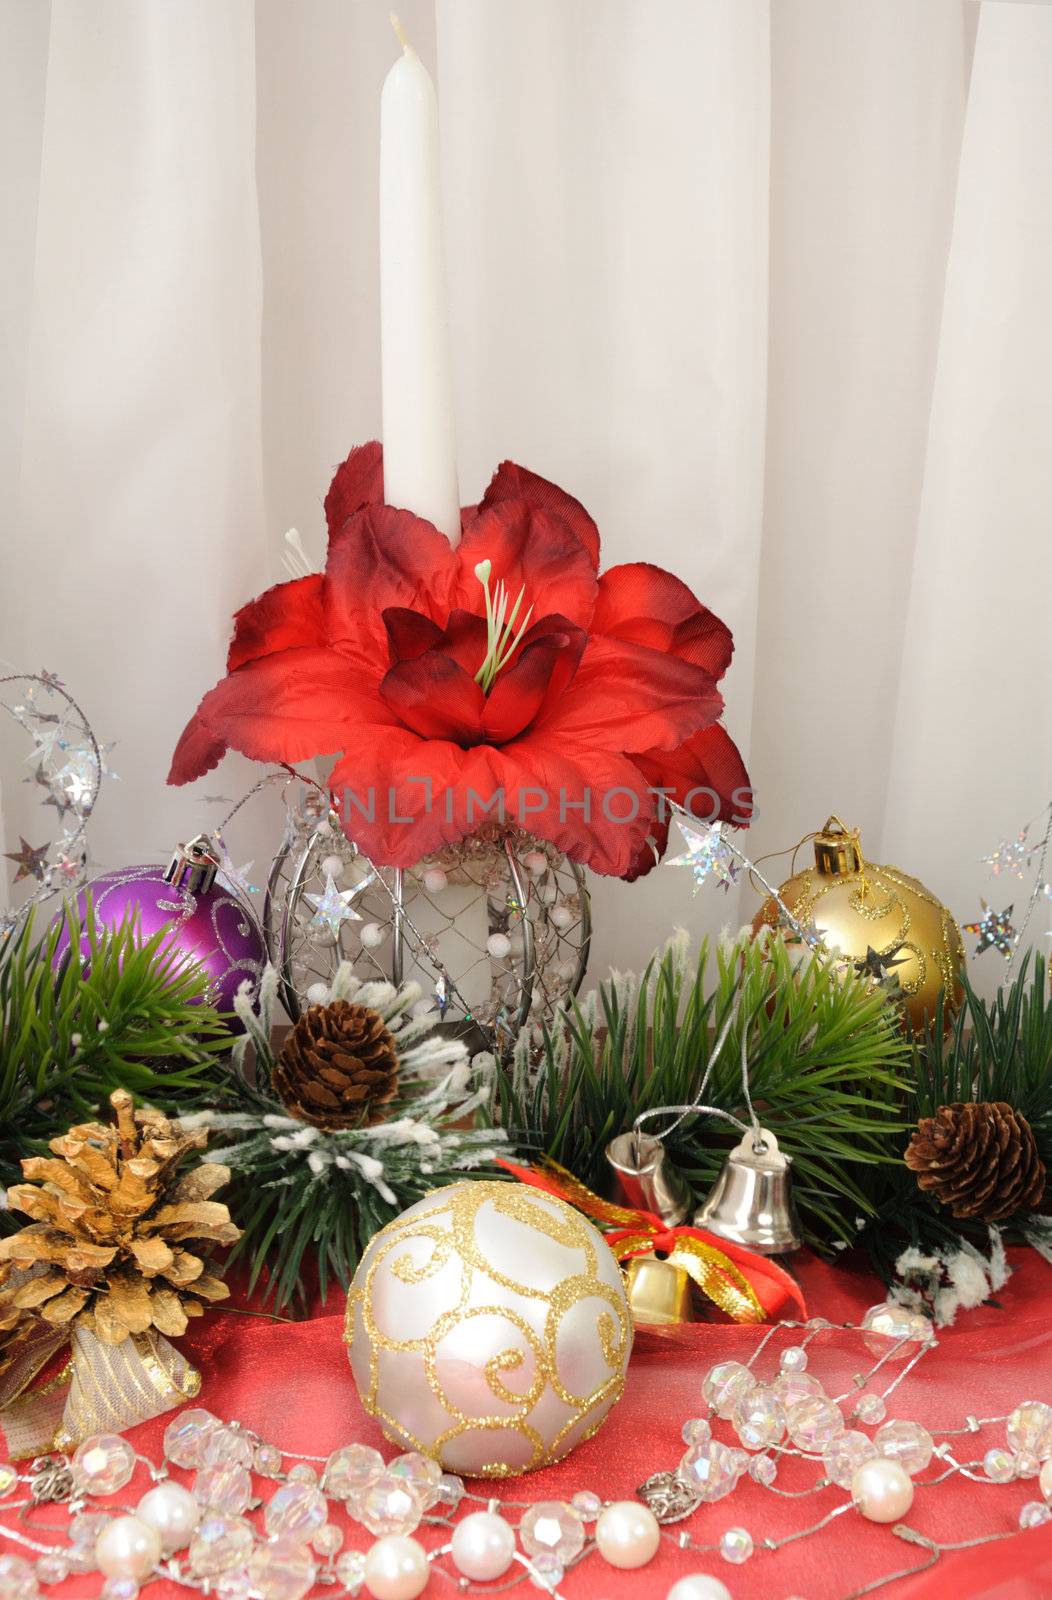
(488, 1328)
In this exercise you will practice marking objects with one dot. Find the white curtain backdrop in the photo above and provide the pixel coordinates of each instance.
(765, 283)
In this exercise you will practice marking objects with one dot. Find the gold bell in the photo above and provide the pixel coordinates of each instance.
(752, 1200)
(657, 1291)
(645, 1179)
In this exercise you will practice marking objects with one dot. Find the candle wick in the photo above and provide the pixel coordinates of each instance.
(400, 34)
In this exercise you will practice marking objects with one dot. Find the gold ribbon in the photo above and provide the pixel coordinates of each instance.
(642, 1233)
(714, 1273)
(101, 1389)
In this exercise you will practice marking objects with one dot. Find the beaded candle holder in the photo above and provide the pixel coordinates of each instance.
(496, 929)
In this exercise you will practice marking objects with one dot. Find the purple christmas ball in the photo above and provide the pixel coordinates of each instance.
(209, 924)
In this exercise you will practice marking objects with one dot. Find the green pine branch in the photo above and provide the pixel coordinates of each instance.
(129, 1013)
(999, 1049)
(308, 1199)
(827, 1059)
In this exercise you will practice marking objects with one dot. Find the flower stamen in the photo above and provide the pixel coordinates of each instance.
(502, 640)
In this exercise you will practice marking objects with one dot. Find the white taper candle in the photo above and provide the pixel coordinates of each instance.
(420, 472)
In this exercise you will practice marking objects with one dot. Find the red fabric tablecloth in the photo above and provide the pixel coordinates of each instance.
(291, 1383)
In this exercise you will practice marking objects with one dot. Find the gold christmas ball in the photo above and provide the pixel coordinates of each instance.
(884, 923)
(488, 1328)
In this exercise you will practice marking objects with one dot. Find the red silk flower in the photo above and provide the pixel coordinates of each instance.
(609, 695)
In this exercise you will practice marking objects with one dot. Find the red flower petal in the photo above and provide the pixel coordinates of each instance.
(409, 633)
(626, 697)
(710, 763)
(390, 793)
(706, 775)
(511, 482)
(647, 605)
(465, 639)
(436, 698)
(198, 751)
(284, 618)
(384, 558)
(285, 707)
(359, 481)
(397, 818)
(596, 806)
(531, 550)
(539, 674)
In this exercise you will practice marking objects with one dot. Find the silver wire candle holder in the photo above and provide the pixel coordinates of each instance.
(495, 929)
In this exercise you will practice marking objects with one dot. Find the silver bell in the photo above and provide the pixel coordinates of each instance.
(645, 1179)
(752, 1200)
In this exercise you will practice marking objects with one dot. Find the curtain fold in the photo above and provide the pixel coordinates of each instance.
(606, 198)
(868, 107)
(970, 759)
(135, 513)
(764, 285)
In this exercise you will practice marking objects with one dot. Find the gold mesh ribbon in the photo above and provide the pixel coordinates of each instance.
(714, 1273)
(101, 1389)
(711, 1269)
(586, 1200)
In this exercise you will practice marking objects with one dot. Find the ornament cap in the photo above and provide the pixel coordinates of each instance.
(837, 848)
(193, 866)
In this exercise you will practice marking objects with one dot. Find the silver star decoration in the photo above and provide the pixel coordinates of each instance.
(1010, 857)
(105, 770)
(879, 965)
(707, 854)
(70, 868)
(31, 862)
(994, 929)
(333, 908)
(47, 740)
(78, 780)
(39, 778)
(236, 877)
(798, 932)
(61, 804)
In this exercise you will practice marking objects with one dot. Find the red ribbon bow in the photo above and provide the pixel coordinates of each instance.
(749, 1287)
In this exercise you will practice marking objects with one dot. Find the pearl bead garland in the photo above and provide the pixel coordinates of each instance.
(173, 1512)
(396, 1568)
(627, 1534)
(483, 1546)
(127, 1547)
(698, 1586)
(390, 1498)
(882, 1490)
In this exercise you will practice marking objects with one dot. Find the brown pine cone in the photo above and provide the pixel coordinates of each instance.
(339, 1067)
(981, 1160)
(114, 1208)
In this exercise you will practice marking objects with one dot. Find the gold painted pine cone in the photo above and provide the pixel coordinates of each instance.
(979, 1159)
(339, 1067)
(113, 1215)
